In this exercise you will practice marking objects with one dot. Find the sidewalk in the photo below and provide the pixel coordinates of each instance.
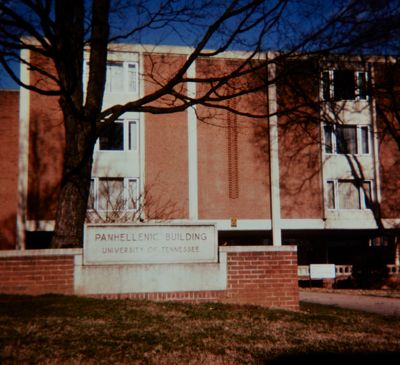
(374, 304)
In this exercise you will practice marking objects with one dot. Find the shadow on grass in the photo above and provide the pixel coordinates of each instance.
(330, 358)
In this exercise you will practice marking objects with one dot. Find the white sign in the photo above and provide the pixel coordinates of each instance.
(149, 244)
(322, 271)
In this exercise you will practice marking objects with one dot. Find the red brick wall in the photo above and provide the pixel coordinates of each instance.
(166, 164)
(37, 274)
(233, 168)
(263, 278)
(299, 140)
(9, 140)
(387, 84)
(46, 146)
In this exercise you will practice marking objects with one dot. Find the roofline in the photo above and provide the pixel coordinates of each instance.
(269, 55)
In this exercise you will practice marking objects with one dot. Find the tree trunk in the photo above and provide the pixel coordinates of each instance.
(79, 120)
(75, 184)
(71, 211)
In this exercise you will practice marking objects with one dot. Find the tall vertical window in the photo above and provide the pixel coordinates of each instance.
(132, 194)
(348, 194)
(91, 195)
(328, 137)
(122, 135)
(347, 139)
(344, 85)
(115, 77)
(132, 77)
(132, 135)
(326, 85)
(364, 135)
(330, 195)
(362, 85)
(367, 194)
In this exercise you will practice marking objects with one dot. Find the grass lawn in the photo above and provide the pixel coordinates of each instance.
(62, 329)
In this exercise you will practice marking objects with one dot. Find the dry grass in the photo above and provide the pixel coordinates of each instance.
(57, 329)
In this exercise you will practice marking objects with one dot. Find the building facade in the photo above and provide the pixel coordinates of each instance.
(322, 171)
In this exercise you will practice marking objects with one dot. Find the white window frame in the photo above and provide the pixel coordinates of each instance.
(95, 186)
(359, 139)
(357, 91)
(362, 196)
(130, 142)
(126, 80)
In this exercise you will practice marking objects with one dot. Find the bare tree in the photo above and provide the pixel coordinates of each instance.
(62, 30)
(114, 203)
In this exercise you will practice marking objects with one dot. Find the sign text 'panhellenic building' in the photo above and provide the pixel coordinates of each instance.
(149, 244)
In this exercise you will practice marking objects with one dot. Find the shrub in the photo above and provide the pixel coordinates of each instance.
(370, 272)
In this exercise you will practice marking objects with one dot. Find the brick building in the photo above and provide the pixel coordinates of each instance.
(321, 172)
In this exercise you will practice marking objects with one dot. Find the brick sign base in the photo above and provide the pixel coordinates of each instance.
(259, 275)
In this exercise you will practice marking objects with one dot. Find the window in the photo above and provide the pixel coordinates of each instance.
(346, 139)
(344, 85)
(132, 196)
(91, 195)
(132, 78)
(110, 194)
(364, 140)
(348, 194)
(114, 138)
(113, 194)
(121, 77)
(330, 194)
(115, 77)
(122, 135)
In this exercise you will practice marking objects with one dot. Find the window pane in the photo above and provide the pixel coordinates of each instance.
(344, 85)
(349, 195)
(330, 195)
(91, 195)
(113, 140)
(111, 197)
(326, 86)
(366, 187)
(328, 139)
(364, 140)
(133, 136)
(132, 194)
(114, 80)
(132, 77)
(362, 85)
(346, 139)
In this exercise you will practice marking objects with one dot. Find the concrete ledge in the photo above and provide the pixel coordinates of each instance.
(231, 249)
(46, 252)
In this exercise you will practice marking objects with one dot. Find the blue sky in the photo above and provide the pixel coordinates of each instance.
(183, 32)
(299, 16)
